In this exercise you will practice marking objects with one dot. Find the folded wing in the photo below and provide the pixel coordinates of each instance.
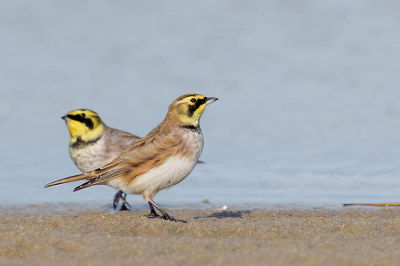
(147, 153)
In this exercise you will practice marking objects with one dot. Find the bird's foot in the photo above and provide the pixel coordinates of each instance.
(153, 215)
(170, 218)
(165, 215)
(123, 207)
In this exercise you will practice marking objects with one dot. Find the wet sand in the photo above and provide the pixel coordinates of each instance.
(45, 235)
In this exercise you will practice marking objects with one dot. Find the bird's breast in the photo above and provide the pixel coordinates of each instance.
(171, 172)
(92, 156)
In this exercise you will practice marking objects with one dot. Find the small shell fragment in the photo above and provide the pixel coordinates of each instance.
(223, 208)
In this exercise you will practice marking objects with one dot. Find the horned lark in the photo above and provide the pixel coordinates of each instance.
(161, 159)
(93, 144)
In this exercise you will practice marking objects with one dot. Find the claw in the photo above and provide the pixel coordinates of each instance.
(165, 215)
(153, 215)
(170, 218)
(123, 207)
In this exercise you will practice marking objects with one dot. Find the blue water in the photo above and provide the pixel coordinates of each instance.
(309, 94)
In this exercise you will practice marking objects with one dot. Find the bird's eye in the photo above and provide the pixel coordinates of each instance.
(83, 115)
(193, 100)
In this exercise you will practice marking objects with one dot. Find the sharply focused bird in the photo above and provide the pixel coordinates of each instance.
(93, 144)
(161, 159)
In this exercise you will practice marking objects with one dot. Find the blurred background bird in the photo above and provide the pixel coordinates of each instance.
(93, 144)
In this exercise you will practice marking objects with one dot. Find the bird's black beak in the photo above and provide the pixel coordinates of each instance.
(64, 117)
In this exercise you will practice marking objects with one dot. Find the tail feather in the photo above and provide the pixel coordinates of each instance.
(95, 177)
(68, 180)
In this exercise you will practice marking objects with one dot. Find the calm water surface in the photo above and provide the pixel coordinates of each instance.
(309, 94)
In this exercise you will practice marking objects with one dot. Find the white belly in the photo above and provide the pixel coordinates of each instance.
(172, 172)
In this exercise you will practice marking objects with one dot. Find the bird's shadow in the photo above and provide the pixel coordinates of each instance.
(225, 214)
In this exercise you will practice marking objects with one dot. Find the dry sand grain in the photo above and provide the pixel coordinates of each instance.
(47, 236)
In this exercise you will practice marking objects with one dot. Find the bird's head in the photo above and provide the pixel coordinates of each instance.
(187, 109)
(84, 124)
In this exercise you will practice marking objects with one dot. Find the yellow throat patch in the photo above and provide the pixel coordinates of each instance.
(190, 107)
(84, 124)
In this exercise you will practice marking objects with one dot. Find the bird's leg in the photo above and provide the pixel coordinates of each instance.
(124, 203)
(117, 197)
(165, 215)
(121, 196)
(152, 213)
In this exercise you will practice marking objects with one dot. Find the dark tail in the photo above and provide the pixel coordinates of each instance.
(69, 180)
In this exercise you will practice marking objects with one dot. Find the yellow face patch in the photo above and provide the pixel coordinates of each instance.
(190, 108)
(84, 124)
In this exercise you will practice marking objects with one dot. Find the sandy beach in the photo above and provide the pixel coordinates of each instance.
(45, 235)
(308, 113)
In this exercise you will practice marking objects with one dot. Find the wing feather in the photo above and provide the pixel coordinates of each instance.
(104, 177)
(142, 156)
